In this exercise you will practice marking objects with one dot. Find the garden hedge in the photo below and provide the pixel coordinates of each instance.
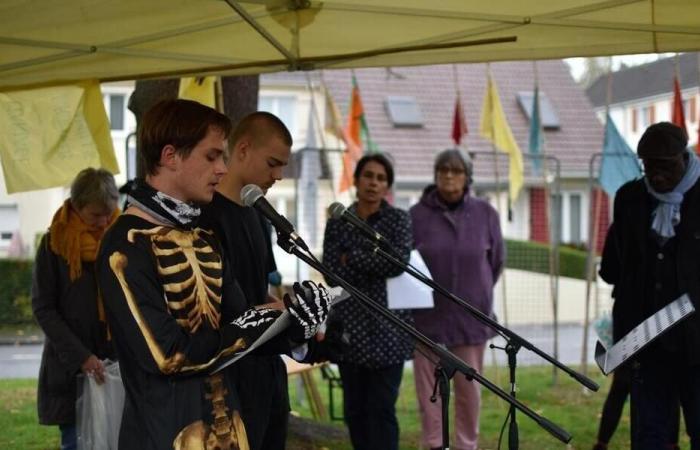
(16, 275)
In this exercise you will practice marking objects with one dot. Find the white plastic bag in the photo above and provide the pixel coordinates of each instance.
(99, 410)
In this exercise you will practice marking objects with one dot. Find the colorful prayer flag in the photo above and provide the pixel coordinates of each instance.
(333, 117)
(619, 164)
(48, 135)
(199, 89)
(459, 122)
(357, 137)
(677, 114)
(494, 127)
(536, 143)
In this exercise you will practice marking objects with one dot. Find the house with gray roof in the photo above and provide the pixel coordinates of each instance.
(409, 111)
(425, 98)
(642, 95)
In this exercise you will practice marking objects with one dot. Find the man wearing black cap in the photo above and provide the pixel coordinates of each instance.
(655, 258)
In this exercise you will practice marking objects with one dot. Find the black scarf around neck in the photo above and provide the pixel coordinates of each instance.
(164, 208)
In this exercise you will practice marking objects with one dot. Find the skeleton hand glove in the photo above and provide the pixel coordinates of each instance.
(248, 326)
(308, 311)
(256, 318)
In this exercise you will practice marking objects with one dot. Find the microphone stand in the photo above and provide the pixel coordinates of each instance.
(449, 363)
(514, 343)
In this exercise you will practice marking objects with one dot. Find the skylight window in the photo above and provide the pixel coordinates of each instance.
(548, 115)
(404, 111)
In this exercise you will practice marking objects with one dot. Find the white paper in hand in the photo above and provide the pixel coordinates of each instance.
(280, 324)
(405, 292)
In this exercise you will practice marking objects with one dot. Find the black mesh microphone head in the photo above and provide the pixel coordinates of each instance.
(336, 210)
(250, 194)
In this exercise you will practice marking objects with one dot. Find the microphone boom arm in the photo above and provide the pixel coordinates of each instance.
(449, 359)
(511, 336)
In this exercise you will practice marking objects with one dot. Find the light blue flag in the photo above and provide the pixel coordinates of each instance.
(619, 164)
(536, 138)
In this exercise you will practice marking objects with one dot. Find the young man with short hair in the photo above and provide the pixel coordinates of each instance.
(260, 149)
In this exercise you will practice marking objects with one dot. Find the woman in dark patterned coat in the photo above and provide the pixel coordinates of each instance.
(372, 365)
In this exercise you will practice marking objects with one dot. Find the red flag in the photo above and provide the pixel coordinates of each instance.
(697, 146)
(678, 116)
(459, 123)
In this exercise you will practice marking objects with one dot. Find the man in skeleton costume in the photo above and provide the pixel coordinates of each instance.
(260, 148)
(173, 309)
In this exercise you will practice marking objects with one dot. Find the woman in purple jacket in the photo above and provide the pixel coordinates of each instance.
(459, 237)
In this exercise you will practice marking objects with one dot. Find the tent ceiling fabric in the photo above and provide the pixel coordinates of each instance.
(48, 41)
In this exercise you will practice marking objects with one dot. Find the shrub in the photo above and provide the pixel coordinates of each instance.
(534, 257)
(15, 291)
(16, 275)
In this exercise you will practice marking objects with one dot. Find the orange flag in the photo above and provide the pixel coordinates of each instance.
(353, 138)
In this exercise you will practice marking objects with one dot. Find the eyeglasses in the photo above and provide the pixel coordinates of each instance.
(444, 171)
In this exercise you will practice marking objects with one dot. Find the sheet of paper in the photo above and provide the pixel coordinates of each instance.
(643, 334)
(405, 292)
(280, 324)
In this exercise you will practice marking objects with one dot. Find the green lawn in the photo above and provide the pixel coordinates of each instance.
(19, 428)
(566, 404)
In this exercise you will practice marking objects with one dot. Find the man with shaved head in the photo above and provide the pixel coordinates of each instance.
(260, 149)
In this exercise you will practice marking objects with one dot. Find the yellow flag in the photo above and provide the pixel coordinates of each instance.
(333, 116)
(494, 127)
(47, 135)
(199, 89)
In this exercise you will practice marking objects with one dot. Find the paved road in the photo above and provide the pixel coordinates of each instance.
(570, 345)
(22, 361)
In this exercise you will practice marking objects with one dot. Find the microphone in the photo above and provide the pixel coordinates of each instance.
(337, 211)
(253, 196)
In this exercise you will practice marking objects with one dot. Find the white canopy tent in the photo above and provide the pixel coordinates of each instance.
(48, 41)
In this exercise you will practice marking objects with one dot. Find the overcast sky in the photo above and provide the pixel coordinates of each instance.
(576, 64)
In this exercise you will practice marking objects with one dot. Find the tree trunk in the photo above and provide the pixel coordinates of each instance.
(146, 94)
(240, 97)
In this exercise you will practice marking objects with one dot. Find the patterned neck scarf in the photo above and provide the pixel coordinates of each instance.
(166, 209)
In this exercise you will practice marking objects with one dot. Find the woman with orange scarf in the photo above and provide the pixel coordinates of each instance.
(65, 298)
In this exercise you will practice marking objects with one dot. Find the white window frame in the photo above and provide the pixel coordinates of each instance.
(275, 107)
(107, 100)
(566, 215)
(9, 224)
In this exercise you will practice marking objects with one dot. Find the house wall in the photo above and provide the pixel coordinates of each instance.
(32, 212)
(575, 208)
(292, 102)
(633, 117)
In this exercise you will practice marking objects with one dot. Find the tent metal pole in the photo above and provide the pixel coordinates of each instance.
(261, 30)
